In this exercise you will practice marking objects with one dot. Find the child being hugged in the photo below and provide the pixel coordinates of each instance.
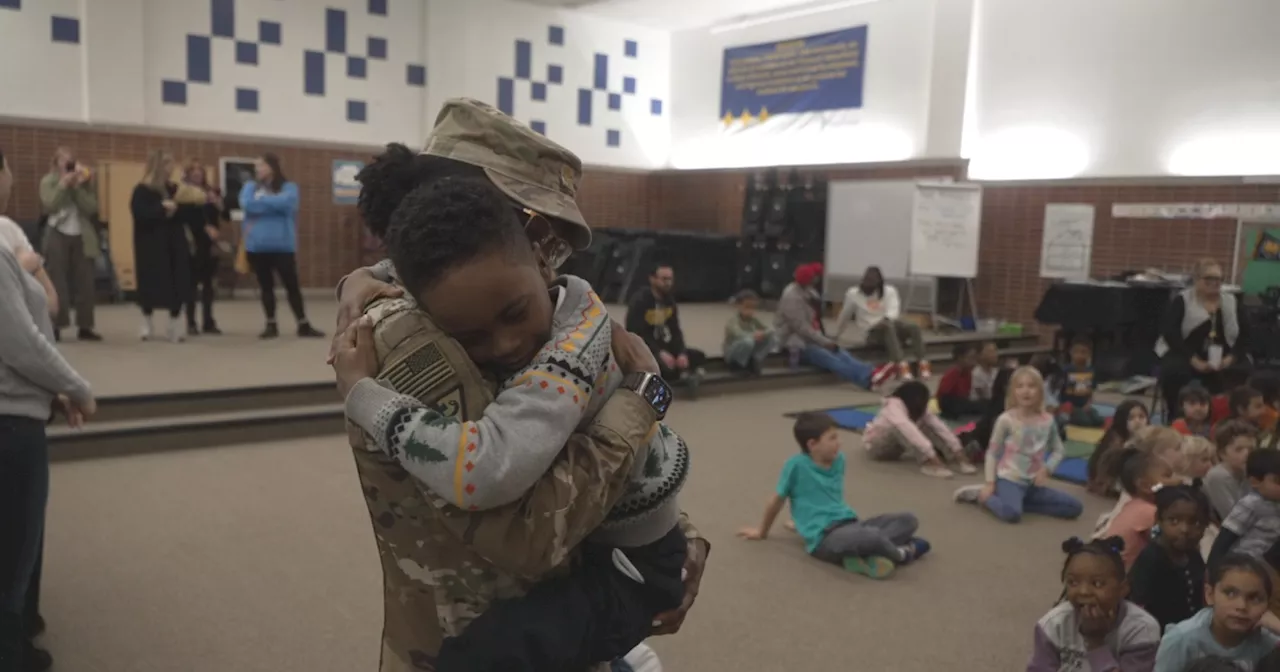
(1094, 628)
(1167, 579)
(905, 425)
(1237, 596)
(1142, 474)
(462, 253)
(1102, 471)
(813, 481)
(1228, 481)
(1025, 449)
(1194, 401)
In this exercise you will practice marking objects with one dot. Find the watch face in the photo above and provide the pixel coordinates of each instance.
(658, 394)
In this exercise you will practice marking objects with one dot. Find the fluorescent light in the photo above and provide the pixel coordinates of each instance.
(785, 14)
(1029, 153)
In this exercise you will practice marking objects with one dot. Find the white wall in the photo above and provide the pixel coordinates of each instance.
(131, 53)
(1133, 88)
(478, 42)
(891, 125)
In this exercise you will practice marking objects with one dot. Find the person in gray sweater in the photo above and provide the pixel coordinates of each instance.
(33, 378)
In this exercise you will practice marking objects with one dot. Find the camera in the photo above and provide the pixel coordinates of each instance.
(69, 166)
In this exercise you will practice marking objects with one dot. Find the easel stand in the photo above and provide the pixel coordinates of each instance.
(966, 293)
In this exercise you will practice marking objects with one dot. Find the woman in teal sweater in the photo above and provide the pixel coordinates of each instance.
(270, 205)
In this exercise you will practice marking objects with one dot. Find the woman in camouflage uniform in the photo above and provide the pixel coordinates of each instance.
(443, 566)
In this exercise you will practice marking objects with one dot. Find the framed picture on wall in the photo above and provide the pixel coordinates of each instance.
(233, 173)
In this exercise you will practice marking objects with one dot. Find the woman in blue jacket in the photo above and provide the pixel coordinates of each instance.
(270, 204)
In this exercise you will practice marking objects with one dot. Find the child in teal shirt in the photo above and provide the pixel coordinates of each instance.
(813, 481)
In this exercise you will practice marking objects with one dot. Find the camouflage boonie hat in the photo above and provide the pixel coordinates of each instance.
(529, 168)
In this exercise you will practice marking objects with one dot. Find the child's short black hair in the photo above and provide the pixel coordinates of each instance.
(1170, 495)
(811, 427)
(1109, 548)
(1267, 383)
(1081, 343)
(1194, 393)
(961, 350)
(448, 222)
(1241, 562)
(915, 396)
(1134, 464)
(1240, 398)
(394, 173)
(1262, 463)
(1230, 430)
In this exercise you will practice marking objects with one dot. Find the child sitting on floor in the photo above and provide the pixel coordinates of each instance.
(1253, 526)
(1025, 449)
(1167, 578)
(1268, 384)
(813, 481)
(1239, 590)
(1160, 442)
(461, 252)
(1246, 404)
(956, 393)
(1077, 389)
(1093, 627)
(1130, 416)
(747, 341)
(1194, 401)
(904, 425)
(1227, 481)
(1198, 455)
(985, 371)
(1142, 474)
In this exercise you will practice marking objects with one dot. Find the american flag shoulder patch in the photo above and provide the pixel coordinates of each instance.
(418, 373)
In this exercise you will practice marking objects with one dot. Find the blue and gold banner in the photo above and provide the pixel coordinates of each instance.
(809, 74)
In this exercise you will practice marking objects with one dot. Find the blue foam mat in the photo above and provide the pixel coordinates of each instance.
(1073, 469)
(851, 418)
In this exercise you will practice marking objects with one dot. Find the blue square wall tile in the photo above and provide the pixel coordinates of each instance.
(538, 127)
(555, 74)
(335, 31)
(377, 47)
(247, 100)
(416, 75)
(173, 92)
(356, 67)
(613, 138)
(357, 111)
(630, 48)
(223, 18)
(655, 107)
(10, 4)
(628, 84)
(268, 32)
(615, 101)
(555, 34)
(247, 53)
(66, 29)
(538, 91)
(378, 7)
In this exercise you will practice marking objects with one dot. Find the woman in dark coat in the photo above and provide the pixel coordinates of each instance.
(161, 247)
(200, 209)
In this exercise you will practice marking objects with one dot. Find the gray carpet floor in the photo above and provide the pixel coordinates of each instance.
(260, 557)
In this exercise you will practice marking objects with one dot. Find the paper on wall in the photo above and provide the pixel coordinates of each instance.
(1066, 250)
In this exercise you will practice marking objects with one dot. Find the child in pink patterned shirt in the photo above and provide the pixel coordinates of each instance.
(905, 425)
(1025, 449)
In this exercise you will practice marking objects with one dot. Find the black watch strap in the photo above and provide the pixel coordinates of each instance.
(652, 389)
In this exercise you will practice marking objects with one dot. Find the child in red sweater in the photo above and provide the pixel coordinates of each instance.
(956, 396)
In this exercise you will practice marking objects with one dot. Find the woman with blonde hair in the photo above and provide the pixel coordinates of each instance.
(1025, 449)
(1202, 335)
(161, 248)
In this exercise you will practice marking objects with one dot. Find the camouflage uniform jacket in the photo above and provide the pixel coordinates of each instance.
(443, 566)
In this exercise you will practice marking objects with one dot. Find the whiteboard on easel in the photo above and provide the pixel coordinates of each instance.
(946, 224)
(1066, 249)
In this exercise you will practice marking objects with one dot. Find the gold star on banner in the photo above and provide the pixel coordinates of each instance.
(746, 117)
(764, 114)
(728, 118)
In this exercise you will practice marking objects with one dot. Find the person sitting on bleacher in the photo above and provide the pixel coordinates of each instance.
(876, 312)
(653, 315)
(747, 341)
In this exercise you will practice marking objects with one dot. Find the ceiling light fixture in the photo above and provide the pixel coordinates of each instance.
(784, 14)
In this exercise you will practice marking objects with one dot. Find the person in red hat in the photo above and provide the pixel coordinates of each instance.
(799, 325)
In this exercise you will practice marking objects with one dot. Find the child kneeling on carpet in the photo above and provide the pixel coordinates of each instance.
(813, 481)
(905, 425)
(1094, 628)
(1239, 589)
(1025, 449)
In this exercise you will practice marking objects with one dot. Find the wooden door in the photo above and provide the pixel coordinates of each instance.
(116, 180)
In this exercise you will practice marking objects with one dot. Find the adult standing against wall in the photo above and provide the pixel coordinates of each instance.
(161, 251)
(876, 312)
(200, 208)
(70, 240)
(270, 232)
(34, 377)
(1202, 336)
(799, 324)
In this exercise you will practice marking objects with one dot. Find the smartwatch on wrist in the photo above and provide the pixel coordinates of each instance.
(652, 389)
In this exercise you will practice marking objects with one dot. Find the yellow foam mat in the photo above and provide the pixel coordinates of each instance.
(1084, 434)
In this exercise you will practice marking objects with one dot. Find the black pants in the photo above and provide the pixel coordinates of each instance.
(204, 267)
(266, 265)
(24, 492)
(594, 614)
(1176, 373)
(696, 359)
(955, 408)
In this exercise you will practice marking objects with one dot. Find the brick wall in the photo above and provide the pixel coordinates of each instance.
(711, 200)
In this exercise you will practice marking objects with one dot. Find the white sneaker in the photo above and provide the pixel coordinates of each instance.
(177, 333)
(967, 494)
(936, 471)
(968, 469)
(146, 331)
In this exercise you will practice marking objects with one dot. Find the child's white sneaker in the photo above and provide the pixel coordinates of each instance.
(967, 494)
(968, 469)
(936, 471)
